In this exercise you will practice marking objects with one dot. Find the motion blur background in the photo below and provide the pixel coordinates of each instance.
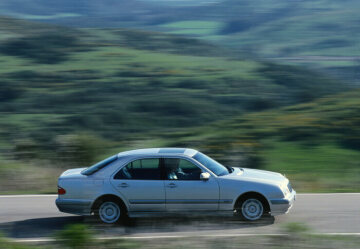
(267, 84)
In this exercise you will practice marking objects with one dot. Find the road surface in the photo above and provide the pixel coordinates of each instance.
(36, 216)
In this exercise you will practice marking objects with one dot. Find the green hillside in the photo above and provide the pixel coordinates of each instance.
(317, 144)
(72, 96)
(319, 34)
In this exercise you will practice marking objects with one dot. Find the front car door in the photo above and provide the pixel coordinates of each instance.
(140, 183)
(184, 189)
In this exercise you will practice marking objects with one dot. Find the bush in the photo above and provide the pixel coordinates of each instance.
(298, 134)
(351, 142)
(9, 91)
(75, 236)
(79, 150)
(25, 148)
(50, 48)
(5, 244)
(296, 228)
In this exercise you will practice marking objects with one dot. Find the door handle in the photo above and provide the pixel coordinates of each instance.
(171, 185)
(123, 185)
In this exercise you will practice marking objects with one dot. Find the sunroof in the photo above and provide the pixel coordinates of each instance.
(172, 150)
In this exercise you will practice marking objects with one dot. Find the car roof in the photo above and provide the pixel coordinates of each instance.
(160, 152)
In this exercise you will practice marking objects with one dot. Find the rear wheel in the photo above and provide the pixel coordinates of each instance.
(110, 209)
(110, 212)
(250, 209)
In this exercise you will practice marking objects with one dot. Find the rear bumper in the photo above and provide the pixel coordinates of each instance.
(74, 206)
(283, 206)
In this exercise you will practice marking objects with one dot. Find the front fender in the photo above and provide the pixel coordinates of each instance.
(233, 189)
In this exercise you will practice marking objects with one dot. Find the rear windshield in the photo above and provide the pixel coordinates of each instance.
(98, 166)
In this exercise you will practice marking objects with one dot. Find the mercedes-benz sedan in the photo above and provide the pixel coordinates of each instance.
(160, 181)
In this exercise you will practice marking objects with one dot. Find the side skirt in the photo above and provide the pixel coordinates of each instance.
(196, 213)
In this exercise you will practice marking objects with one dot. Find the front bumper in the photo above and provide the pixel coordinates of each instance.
(74, 206)
(283, 206)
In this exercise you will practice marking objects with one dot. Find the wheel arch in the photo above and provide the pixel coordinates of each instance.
(106, 197)
(254, 194)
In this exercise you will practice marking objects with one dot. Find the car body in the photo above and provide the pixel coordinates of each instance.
(160, 181)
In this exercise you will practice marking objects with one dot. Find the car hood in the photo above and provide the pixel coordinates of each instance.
(256, 175)
(71, 173)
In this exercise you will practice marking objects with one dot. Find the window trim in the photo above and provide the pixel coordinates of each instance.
(162, 168)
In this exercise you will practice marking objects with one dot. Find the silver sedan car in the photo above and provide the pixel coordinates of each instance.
(160, 181)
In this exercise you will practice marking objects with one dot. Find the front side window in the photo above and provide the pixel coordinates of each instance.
(142, 169)
(180, 169)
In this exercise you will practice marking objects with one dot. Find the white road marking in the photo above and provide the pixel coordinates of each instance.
(176, 236)
(339, 234)
(327, 194)
(22, 196)
(54, 195)
(47, 239)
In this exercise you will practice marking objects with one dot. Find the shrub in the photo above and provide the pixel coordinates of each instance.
(5, 244)
(78, 149)
(296, 228)
(50, 48)
(75, 236)
(9, 91)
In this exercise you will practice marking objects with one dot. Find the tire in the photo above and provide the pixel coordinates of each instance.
(250, 209)
(110, 212)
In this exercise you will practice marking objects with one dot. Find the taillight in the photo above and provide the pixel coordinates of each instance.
(61, 191)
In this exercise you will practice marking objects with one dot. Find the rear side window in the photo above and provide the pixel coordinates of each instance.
(142, 169)
(102, 164)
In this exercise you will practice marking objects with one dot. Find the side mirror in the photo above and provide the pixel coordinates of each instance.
(204, 176)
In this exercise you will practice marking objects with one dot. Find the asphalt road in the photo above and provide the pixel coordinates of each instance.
(36, 216)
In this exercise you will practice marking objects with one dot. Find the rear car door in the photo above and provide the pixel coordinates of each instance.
(140, 183)
(184, 189)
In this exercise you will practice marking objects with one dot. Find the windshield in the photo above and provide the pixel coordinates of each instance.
(217, 168)
(96, 167)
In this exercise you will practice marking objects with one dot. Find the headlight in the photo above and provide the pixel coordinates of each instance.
(285, 190)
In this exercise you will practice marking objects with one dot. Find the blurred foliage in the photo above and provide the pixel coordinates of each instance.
(296, 228)
(321, 34)
(6, 244)
(49, 48)
(80, 149)
(136, 89)
(315, 143)
(297, 236)
(9, 91)
(76, 236)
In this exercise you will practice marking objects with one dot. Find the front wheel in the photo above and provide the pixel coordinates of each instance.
(110, 212)
(250, 209)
